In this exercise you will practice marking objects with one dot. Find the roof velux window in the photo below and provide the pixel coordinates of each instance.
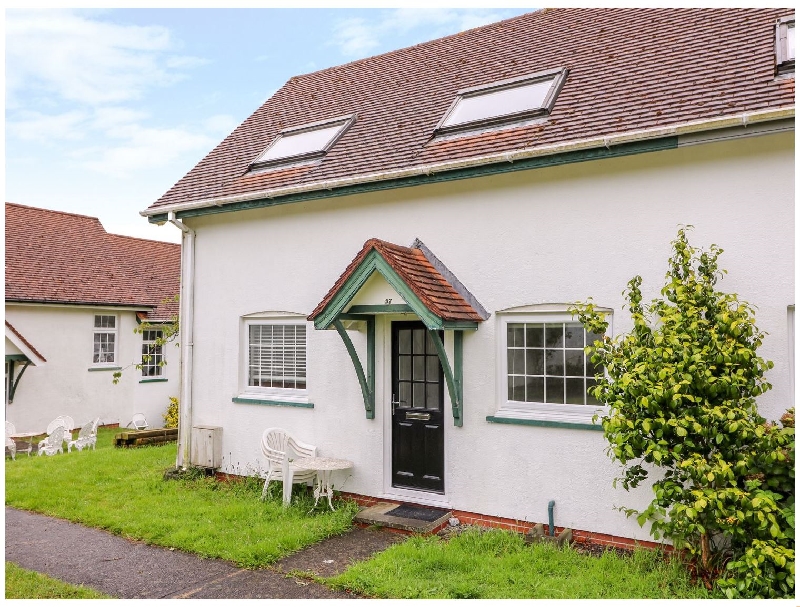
(507, 101)
(784, 44)
(303, 142)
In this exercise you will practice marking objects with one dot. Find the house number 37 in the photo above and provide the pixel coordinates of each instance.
(387, 301)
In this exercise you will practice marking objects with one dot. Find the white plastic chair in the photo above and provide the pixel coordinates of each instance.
(139, 422)
(54, 443)
(10, 444)
(87, 437)
(281, 448)
(69, 426)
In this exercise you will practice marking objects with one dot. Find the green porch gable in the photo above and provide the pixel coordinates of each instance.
(429, 290)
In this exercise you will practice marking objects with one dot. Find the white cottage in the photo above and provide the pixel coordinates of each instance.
(73, 295)
(380, 259)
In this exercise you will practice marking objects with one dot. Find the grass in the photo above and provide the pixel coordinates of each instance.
(25, 584)
(499, 565)
(123, 491)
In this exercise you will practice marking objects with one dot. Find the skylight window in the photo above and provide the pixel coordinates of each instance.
(784, 45)
(508, 101)
(303, 142)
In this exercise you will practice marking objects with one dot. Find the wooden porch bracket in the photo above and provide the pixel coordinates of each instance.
(367, 382)
(455, 380)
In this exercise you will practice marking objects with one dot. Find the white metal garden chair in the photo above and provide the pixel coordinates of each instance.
(281, 448)
(139, 422)
(10, 444)
(69, 426)
(54, 443)
(87, 437)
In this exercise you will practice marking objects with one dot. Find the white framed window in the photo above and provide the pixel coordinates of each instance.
(274, 359)
(152, 353)
(784, 44)
(105, 339)
(303, 142)
(505, 102)
(543, 371)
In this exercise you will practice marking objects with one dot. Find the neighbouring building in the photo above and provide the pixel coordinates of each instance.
(380, 259)
(74, 294)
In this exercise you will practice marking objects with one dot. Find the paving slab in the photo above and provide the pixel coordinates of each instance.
(130, 569)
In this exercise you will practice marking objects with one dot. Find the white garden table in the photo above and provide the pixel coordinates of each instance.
(26, 437)
(323, 466)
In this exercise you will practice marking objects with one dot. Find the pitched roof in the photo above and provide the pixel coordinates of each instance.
(438, 294)
(24, 341)
(55, 257)
(629, 70)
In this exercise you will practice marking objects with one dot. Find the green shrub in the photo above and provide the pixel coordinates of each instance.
(171, 416)
(681, 389)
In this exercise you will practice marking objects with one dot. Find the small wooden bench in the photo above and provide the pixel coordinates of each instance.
(152, 436)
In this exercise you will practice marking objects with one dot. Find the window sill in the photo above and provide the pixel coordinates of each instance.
(153, 380)
(244, 400)
(543, 423)
(105, 368)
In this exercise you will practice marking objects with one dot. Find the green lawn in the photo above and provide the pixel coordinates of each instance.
(24, 584)
(499, 565)
(123, 491)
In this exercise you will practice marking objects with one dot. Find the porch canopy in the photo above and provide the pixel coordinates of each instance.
(429, 290)
(18, 352)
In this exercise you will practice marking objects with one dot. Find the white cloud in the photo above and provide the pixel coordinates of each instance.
(88, 61)
(221, 124)
(359, 37)
(34, 126)
(142, 149)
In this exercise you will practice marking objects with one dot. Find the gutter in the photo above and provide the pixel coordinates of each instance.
(186, 320)
(685, 128)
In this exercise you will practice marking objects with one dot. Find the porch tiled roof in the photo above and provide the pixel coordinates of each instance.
(629, 69)
(417, 272)
(25, 341)
(55, 257)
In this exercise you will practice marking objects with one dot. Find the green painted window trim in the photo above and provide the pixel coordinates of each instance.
(105, 368)
(543, 423)
(626, 149)
(271, 403)
(153, 381)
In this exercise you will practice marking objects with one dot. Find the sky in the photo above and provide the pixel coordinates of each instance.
(105, 109)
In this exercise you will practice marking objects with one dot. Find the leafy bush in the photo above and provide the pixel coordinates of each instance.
(681, 390)
(171, 416)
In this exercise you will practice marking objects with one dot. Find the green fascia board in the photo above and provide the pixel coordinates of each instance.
(10, 357)
(626, 149)
(374, 262)
(272, 403)
(543, 423)
(380, 309)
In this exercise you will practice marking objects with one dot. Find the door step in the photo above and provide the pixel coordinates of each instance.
(404, 517)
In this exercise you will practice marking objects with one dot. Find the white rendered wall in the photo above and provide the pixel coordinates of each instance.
(64, 384)
(560, 234)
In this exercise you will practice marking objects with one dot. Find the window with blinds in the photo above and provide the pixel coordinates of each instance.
(276, 356)
(105, 339)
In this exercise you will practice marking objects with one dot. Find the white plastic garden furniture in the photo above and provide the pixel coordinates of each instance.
(281, 449)
(10, 444)
(87, 437)
(69, 426)
(54, 443)
(139, 422)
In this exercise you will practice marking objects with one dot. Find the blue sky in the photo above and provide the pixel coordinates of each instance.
(106, 109)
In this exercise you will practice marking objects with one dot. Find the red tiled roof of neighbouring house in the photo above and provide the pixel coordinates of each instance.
(56, 257)
(629, 70)
(411, 265)
(25, 341)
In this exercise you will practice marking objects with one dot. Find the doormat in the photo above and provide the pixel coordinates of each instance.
(419, 513)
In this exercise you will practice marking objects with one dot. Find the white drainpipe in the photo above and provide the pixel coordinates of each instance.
(186, 320)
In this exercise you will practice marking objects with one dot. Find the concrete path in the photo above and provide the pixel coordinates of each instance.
(133, 570)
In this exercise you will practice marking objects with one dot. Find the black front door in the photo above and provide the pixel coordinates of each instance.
(417, 409)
